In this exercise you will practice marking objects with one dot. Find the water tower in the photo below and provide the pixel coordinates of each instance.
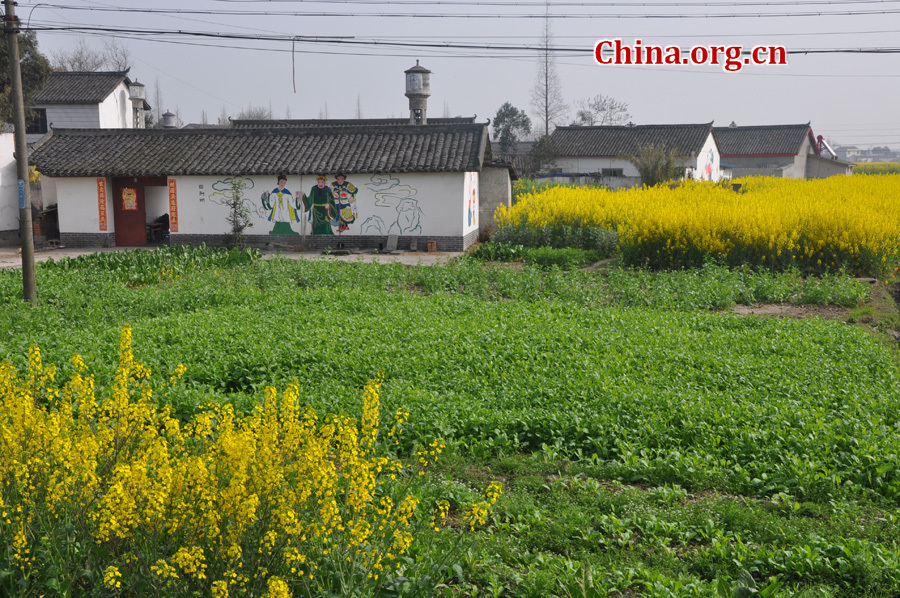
(138, 99)
(418, 88)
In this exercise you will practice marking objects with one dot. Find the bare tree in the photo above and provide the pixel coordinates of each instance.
(252, 112)
(287, 112)
(204, 120)
(223, 120)
(80, 57)
(358, 106)
(114, 56)
(546, 95)
(601, 110)
(157, 101)
(446, 109)
(323, 112)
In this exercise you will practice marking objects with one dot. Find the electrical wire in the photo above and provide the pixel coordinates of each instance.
(407, 15)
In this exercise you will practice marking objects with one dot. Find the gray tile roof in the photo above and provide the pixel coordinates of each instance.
(305, 150)
(612, 141)
(342, 122)
(79, 88)
(765, 140)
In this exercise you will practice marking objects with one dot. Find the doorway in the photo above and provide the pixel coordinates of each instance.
(130, 209)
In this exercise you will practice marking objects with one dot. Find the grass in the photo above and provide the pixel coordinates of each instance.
(649, 445)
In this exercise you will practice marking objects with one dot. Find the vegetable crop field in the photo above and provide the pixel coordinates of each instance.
(648, 441)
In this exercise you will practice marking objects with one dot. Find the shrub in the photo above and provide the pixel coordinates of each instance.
(559, 236)
(112, 495)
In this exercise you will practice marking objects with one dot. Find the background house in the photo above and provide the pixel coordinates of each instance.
(97, 100)
(790, 151)
(598, 154)
(419, 182)
(88, 100)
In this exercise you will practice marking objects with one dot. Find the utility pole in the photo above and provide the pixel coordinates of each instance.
(26, 234)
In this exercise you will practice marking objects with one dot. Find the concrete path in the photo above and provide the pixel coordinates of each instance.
(11, 258)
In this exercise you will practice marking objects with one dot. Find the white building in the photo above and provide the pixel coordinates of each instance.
(788, 151)
(84, 100)
(422, 183)
(598, 154)
(92, 100)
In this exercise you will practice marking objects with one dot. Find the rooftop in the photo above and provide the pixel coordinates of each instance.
(80, 87)
(612, 141)
(297, 150)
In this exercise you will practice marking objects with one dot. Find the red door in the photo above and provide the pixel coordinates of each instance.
(129, 212)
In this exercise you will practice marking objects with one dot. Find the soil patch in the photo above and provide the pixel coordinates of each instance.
(828, 312)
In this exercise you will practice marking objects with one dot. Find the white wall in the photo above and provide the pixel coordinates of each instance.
(79, 206)
(433, 204)
(403, 204)
(9, 184)
(72, 116)
(115, 111)
(48, 191)
(156, 200)
(591, 165)
(709, 162)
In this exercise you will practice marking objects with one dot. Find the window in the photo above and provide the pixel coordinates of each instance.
(38, 124)
(611, 172)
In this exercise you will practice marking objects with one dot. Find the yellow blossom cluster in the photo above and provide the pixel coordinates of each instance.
(478, 512)
(825, 224)
(877, 168)
(277, 502)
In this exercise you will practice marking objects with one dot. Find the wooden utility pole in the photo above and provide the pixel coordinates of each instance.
(26, 234)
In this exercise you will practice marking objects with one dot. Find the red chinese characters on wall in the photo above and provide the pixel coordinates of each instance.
(101, 202)
(173, 207)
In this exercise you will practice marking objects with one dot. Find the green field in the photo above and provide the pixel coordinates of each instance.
(649, 443)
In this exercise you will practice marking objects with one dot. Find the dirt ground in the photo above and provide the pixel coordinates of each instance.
(10, 257)
(828, 312)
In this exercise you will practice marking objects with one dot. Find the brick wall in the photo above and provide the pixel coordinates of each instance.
(322, 242)
(87, 239)
(9, 237)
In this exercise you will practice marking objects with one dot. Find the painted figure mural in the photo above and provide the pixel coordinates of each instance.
(321, 207)
(344, 193)
(282, 208)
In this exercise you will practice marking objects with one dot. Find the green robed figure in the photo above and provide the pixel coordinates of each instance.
(320, 205)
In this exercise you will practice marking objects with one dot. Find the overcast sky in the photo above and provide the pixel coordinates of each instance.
(849, 98)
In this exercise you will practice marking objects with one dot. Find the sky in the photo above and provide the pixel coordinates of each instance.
(314, 59)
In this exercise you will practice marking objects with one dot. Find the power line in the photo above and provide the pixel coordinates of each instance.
(407, 15)
(417, 45)
(540, 4)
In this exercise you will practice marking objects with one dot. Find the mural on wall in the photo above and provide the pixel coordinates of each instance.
(344, 193)
(471, 199)
(321, 207)
(390, 193)
(707, 170)
(282, 207)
